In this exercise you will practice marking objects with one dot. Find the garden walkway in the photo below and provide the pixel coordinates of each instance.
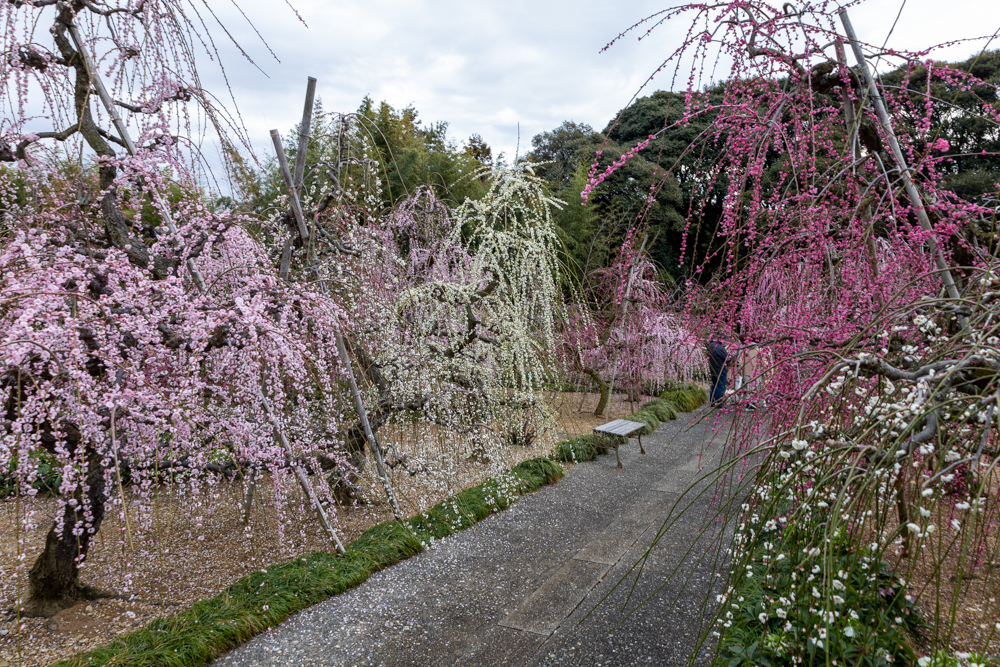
(525, 586)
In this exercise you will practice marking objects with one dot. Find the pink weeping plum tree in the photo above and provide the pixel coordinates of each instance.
(872, 288)
(143, 334)
(625, 331)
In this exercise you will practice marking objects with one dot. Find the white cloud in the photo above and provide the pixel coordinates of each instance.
(489, 67)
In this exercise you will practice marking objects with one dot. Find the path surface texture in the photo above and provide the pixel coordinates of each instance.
(543, 583)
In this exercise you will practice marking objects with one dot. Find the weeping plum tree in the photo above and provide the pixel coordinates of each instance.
(453, 310)
(132, 347)
(624, 331)
(878, 446)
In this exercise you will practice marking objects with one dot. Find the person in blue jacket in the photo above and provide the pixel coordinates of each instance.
(718, 358)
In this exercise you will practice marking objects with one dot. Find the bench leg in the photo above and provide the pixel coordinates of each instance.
(641, 450)
(616, 457)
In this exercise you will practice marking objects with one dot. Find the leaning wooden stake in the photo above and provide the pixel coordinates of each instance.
(904, 171)
(294, 184)
(367, 428)
(248, 498)
(300, 155)
(279, 435)
(293, 194)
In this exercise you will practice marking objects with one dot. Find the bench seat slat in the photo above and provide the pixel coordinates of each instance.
(622, 427)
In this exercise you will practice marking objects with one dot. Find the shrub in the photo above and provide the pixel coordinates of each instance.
(792, 605)
(577, 450)
(664, 410)
(647, 417)
(687, 396)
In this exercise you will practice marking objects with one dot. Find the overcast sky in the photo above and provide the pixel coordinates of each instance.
(496, 68)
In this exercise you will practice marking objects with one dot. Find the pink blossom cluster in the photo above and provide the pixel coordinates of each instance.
(593, 180)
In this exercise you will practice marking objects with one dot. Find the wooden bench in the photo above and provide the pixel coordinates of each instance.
(623, 428)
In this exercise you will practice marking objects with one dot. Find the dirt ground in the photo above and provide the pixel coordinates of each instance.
(174, 548)
(962, 605)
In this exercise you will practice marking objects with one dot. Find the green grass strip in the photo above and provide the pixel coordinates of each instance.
(264, 599)
(682, 398)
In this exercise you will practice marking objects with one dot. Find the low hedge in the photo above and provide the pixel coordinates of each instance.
(578, 449)
(264, 599)
(684, 398)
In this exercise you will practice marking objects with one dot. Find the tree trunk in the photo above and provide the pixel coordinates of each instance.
(602, 386)
(54, 580)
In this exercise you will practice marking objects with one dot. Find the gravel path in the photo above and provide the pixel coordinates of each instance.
(543, 583)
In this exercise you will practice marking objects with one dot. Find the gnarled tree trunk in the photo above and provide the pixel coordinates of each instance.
(602, 386)
(54, 580)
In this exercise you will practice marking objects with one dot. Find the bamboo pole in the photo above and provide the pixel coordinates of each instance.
(367, 428)
(279, 435)
(897, 153)
(300, 155)
(248, 498)
(293, 184)
(286, 260)
(293, 195)
(109, 104)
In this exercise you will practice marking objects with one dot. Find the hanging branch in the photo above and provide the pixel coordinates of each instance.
(109, 105)
(304, 482)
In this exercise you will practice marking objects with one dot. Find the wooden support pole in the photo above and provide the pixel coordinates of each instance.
(279, 435)
(300, 155)
(850, 117)
(300, 219)
(248, 498)
(286, 260)
(911, 190)
(367, 428)
(109, 105)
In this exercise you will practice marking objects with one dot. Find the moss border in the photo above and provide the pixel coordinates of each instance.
(264, 599)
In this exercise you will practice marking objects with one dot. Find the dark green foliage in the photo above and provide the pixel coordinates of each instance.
(47, 482)
(563, 158)
(264, 599)
(412, 154)
(664, 410)
(687, 396)
(973, 137)
(683, 398)
(576, 450)
(647, 417)
(865, 586)
(671, 167)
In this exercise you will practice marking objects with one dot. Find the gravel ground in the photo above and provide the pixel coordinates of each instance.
(544, 583)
